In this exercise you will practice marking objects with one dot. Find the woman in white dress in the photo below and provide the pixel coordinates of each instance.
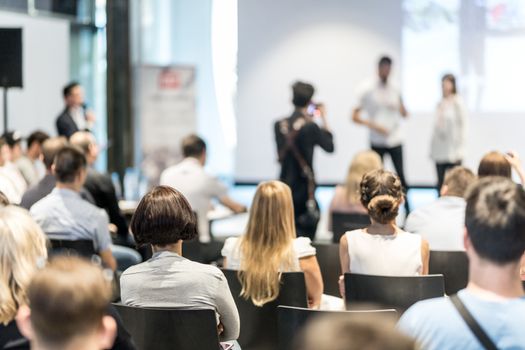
(383, 248)
(448, 138)
(270, 246)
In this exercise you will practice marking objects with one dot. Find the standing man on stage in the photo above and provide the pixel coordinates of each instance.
(75, 116)
(296, 138)
(384, 109)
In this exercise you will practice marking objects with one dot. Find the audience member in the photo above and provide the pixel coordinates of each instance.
(296, 138)
(270, 246)
(100, 185)
(442, 222)
(164, 219)
(64, 215)
(346, 197)
(341, 332)
(30, 164)
(75, 117)
(498, 164)
(494, 241)
(7, 186)
(190, 178)
(383, 248)
(67, 302)
(11, 150)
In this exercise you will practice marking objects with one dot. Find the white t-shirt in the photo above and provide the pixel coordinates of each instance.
(302, 247)
(441, 223)
(381, 103)
(199, 188)
(385, 255)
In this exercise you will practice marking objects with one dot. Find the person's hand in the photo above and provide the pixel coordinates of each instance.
(514, 159)
(90, 116)
(341, 283)
(322, 110)
(383, 131)
(220, 328)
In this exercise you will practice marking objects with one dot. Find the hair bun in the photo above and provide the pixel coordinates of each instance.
(383, 208)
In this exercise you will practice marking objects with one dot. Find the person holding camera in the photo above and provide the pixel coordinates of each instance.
(296, 138)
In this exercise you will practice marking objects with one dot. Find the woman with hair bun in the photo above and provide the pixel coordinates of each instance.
(383, 248)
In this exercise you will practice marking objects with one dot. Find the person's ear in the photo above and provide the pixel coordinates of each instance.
(467, 244)
(53, 169)
(107, 332)
(444, 190)
(23, 322)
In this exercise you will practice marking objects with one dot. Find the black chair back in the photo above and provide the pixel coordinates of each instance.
(328, 258)
(453, 265)
(399, 292)
(291, 320)
(259, 329)
(81, 247)
(166, 329)
(343, 222)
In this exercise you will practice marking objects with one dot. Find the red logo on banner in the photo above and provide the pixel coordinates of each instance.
(169, 79)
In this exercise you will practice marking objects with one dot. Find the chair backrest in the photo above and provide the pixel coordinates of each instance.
(328, 258)
(259, 324)
(165, 329)
(343, 222)
(453, 265)
(292, 319)
(79, 247)
(399, 292)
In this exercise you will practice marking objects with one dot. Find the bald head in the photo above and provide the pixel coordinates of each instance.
(87, 142)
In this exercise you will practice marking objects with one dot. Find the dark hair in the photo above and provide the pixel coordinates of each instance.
(163, 217)
(495, 219)
(452, 79)
(381, 193)
(494, 164)
(69, 87)
(37, 136)
(193, 146)
(384, 60)
(457, 180)
(12, 138)
(302, 94)
(50, 148)
(69, 161)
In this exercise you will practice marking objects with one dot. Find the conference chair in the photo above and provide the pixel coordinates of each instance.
(453, 265)
(343, 222)
(259, 329)
(166, 329)
(81, 247)
(399, 292)
(328, 258)
(291, 320)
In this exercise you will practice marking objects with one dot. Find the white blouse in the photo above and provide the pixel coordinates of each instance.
(385, 255)
(302, 247)
(449, 134)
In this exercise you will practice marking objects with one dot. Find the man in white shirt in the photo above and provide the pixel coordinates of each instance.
(384, 108)
(199, 187)
(442, 222)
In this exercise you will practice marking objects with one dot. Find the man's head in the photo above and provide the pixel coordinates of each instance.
(50, 148)
(13, 148)
(34, 144)
(383, 68)
(195, 147)
(67, 302)
(87, 142)
(302, 94)
(456, 182)
(69, 167)
(73, 94)
(495, 221)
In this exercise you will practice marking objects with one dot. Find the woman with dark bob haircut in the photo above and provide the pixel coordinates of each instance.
(164, 219)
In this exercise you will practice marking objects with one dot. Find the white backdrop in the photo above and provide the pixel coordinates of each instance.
(45, 72)
(334, 44)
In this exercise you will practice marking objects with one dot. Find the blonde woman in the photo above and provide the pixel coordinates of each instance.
(270, 246)
(346, 197)
(22, 248)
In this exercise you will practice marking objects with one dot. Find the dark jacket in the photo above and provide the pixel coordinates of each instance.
(66, 126)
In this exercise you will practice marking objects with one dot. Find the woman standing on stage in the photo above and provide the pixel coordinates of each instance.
(448, 139)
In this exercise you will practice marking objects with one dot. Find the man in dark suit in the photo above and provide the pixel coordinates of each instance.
(75, 117)
(303, 123)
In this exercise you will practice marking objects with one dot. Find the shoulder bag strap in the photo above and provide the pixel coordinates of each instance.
(471, 322)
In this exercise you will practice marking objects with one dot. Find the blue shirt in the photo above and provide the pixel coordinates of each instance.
(436, 324)
(63, 214)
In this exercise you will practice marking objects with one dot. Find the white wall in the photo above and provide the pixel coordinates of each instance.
(45, 52)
